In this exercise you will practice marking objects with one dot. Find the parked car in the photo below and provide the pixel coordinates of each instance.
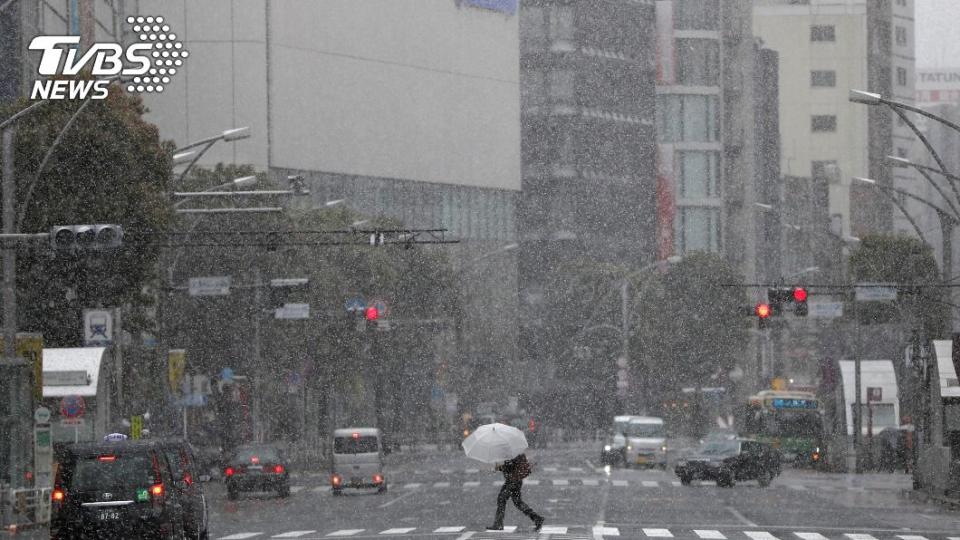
(257, 467)
(188, 479)
(116, 490)
(730, 460)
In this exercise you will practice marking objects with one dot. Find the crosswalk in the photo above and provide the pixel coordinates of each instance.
(592, 532)
(585, 483)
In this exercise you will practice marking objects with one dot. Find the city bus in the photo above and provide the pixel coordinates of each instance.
(791, 421)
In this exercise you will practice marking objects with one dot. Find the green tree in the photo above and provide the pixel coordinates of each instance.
(902, 259)
(109, 167)
(691, 325)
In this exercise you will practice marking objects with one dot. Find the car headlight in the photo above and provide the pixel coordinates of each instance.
(607, 448)
(663, 448)
(629, 447)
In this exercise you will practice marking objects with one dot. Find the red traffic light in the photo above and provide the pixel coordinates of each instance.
(371, 313)
(799, 294)
(762, 310)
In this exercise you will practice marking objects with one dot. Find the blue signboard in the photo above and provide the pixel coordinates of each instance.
(503, 6)
(785, 403)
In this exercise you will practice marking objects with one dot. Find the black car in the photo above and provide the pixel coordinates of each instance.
(257, 468)
(729, 460)
(115, 490)
(188, 479)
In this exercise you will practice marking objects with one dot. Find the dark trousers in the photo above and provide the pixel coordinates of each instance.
(511, 490)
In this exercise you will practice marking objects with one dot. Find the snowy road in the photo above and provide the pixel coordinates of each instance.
(442, 495)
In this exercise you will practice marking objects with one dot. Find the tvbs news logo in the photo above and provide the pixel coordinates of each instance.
(145, 66)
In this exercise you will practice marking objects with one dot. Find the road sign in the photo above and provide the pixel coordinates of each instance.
(876, 292)
(825, 310)
(355, 305)
(226, 374)
(72, 407)
(41, 415)
(72, 422)
(293, 311)
(381, 305)
(289, 282)
(210, 286)
(97, 327)
(66, 378)
(874, 394)
(114, 437)
(176, 367)
(383, 326)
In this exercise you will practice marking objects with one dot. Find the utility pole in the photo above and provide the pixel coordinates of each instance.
(625, 327)
(256, 368)
(858, 413)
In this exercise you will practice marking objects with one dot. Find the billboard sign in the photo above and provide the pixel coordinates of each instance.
(97, 327)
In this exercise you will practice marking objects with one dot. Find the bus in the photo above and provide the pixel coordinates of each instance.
(791, 421)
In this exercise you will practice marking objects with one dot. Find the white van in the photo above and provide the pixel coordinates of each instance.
(646, 442)
(357, 460)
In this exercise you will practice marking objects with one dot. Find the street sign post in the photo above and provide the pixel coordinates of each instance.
(875, 292)
(176, 367)
(210, 286)
(41, 415)
(825, 310)
(136, 427)
(293, 311)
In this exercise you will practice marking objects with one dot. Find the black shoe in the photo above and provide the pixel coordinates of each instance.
(537, 523)
(494, 528)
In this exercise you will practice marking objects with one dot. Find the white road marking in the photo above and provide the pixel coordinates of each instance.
(498, 483)
(472, 471)
(797, 487)
(561, 482)
(399, 531)
(442, 485)
(532, 482)
(296, 489)
(466, 535)
(591, 482)
(398, 499)
(576, 469)
(620, 483)
(650, 483)
(293, 534)
(740, 516)
(675, 483)
(320, 489)
(658, 533)
(710, 534)
(240, 536)
(810, 536)
(346, 532)
(760, 535)
(910, 537)
(551, 469)
(469, 484)
(411, 486)
(553, 530)
(446, 471)
(449, 529)
(858, 536)
(605, 531)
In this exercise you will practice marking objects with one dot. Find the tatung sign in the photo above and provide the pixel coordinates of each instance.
(143, 67)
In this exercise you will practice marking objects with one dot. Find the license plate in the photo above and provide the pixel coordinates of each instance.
(641, 459)
(108, 515)
(255, 467)
(355, 480)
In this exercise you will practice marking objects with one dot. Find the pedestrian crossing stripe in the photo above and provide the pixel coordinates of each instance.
(471, 484)
(649, 483)
(591, 482)
(561, 482)
(597, 531)
(797, 487)
(442, 485)
(532, 482)
(573, 482)
(760, 535)
(620, 483)
(411, 486)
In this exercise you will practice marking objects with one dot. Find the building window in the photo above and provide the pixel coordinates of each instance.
(690, 118)
(901, 76)
(825, 170)
(823, 122)
(561, 84)
(561, 23)
(698, 62)
(532, 88)
(696, 14)
(826, 77)
(698, 174)
(900, 34)
(824, 32)
(533, 28)
(697, 229)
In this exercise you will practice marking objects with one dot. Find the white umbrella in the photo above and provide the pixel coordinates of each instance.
(491, 443)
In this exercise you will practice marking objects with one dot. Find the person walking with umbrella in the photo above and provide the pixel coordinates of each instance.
(504, 446)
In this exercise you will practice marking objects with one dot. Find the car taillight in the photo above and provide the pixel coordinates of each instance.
(156, 490)
(336, 480)
(255, 460)
(58, 495)
(377, 479)
(278, 469)
(229, 471)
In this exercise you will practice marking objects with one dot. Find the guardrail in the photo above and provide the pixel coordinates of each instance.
(24, 508)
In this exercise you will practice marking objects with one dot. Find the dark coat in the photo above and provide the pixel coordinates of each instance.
(511, 467)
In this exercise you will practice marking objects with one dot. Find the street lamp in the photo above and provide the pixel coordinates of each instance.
(229, 135)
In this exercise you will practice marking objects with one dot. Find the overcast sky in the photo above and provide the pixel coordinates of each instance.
(938, 37)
